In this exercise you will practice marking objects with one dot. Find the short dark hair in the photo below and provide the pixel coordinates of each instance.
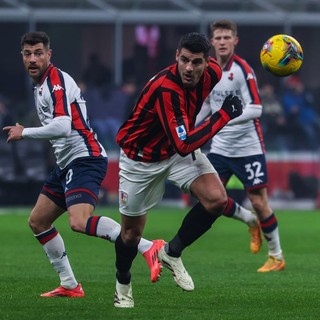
(35, 37)
(195, 42)
(224, 24)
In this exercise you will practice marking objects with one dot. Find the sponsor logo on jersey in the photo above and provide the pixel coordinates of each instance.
(223, 94)
(43, 112)
(250, 76)
(230, 76)
(181, 132)
(56, 87)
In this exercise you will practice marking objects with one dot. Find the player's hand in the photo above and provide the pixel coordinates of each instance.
(232, 106)
(14, 132)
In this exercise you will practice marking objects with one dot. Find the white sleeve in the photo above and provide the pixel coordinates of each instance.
(60, 127)
(250, 112)
(205, 111)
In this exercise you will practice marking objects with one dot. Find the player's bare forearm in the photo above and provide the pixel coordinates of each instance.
(14, 132)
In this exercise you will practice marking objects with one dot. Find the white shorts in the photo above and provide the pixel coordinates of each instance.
(142, 184)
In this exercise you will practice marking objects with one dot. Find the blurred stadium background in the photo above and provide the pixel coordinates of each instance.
(111, 47)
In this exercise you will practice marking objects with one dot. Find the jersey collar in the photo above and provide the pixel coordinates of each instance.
(229, 63)
(46, 73)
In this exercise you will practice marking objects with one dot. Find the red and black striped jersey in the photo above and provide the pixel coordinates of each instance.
(162, 121)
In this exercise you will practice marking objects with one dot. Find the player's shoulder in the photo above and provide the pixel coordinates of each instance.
(214, 69)
(213, 63)
(62, 78)
(242, 63)
(166, 79)
(55, 71)
(240, 60)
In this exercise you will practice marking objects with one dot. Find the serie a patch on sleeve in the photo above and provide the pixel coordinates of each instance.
(181, 132)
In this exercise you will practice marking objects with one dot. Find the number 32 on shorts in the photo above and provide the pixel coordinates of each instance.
(255, 172)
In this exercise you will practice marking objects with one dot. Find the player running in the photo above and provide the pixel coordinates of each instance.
(238, 148)
(159, 142)
(81, 165)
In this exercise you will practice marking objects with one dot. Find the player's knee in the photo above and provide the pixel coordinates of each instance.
(216, 203)
(258, 207)
(219, 205)
(37, 225)
(131, 236)
(32, 224)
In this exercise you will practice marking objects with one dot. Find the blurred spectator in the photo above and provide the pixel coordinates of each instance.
(6, 119)
(96, 73)
(5, 116)
(273, 120)
(132, 91)
(148, 36)
(108, 113)
(300, 114)
(146, 51)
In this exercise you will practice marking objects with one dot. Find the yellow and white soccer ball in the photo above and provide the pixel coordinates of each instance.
(281, 55)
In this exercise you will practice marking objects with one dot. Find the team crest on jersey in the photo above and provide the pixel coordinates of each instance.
(230, 76)
(56, 87)
(181, 132)
(123, 198)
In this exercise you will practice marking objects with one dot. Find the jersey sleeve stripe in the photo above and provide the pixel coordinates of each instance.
(80, 124)
(58, 93)
(174, 97)
(260, 134)
(250, 78)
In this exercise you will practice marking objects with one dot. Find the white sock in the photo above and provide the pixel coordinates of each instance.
(110, 229)
(245, 215)
(144, 245)
(273, 243)
(56, 253)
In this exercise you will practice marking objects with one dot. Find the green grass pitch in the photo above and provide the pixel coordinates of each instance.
(227, 285)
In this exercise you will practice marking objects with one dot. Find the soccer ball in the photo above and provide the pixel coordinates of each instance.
(281, 55)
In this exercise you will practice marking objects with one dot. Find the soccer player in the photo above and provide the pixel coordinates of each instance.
(81, 165)
(238, 148)
(159, 142)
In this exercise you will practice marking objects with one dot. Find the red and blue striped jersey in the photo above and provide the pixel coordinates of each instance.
(58, 95)
(244, 138)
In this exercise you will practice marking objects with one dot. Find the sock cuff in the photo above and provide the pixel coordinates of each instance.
(230, 208)
(46, 236)
(269, 224)
(92, 225)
